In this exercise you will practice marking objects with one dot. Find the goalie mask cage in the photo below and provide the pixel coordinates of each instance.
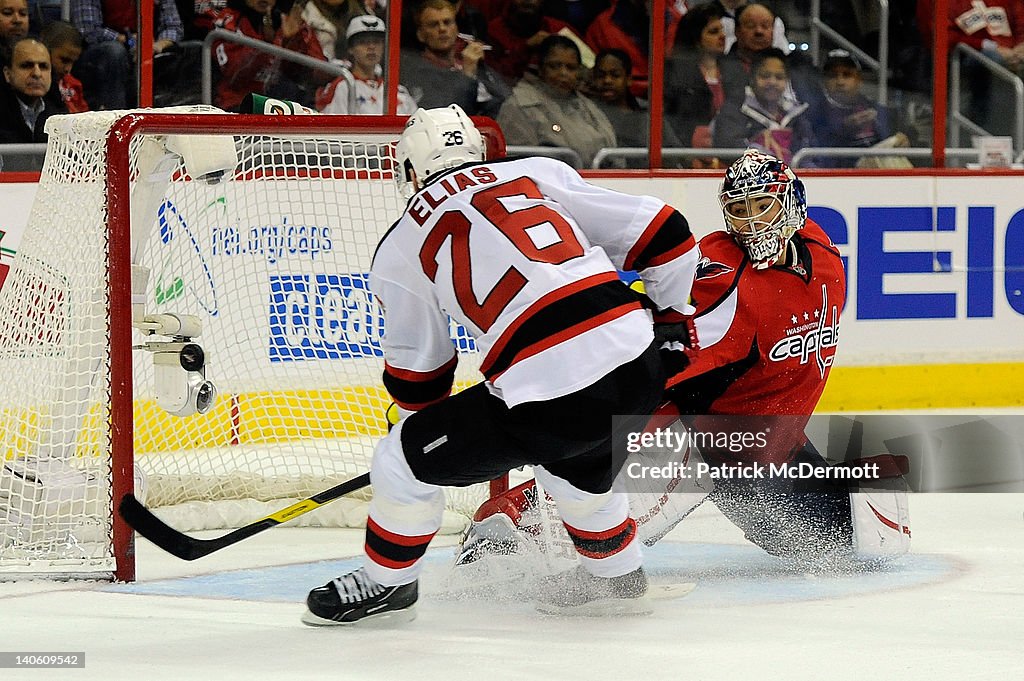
(272, 255)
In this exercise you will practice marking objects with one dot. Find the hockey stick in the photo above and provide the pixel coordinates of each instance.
(143, 521)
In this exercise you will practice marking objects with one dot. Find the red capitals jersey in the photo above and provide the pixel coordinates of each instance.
(768, 337)
(244, 70)
(523, 253)
(71, 94)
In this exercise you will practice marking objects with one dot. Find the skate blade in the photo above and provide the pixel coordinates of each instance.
(381, 620)
(621, 607)
(664, 592)
(601, 607)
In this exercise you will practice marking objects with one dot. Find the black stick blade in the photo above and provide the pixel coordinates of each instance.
(143, 521)
(179, 544)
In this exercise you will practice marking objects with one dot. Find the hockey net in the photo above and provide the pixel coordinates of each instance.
(271, 252)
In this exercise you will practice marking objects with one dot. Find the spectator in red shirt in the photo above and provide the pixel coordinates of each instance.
(626, 26)
(516, 35)
(995, 28)
(245, 70)
(65, 45)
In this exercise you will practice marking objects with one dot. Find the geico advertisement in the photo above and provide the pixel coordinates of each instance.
(935, 265)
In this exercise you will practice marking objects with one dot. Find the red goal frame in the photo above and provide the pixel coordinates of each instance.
(118, 216)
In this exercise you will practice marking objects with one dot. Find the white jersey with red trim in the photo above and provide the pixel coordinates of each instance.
(523, 253)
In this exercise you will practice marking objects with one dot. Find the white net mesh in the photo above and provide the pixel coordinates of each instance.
(273, 259)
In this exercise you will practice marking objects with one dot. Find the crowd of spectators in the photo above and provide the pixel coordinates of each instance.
(562, 73)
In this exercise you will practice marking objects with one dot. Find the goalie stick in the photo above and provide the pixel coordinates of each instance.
(179, 544)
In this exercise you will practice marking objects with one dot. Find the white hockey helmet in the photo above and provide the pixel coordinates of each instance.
(764, 204)
(435, 140)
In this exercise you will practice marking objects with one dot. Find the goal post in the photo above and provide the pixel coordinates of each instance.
(189, 313)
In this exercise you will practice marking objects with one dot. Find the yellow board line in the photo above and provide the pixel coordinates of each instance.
(925, 386)
(276, 416)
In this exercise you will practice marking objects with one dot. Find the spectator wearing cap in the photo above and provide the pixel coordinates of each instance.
(847, 118)
(330, 19)
(360, 89)
(23, 104)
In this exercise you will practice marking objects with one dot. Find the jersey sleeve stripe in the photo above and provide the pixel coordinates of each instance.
(666, 232)
(415, 390)
(672, 254)
(564, 335)
(561, 314)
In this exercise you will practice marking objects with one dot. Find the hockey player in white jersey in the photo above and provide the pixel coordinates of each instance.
(523, 253)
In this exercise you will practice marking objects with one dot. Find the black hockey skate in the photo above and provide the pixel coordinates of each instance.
(356, 598)
(578, 592)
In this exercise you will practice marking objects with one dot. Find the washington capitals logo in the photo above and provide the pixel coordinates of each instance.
(709, 269)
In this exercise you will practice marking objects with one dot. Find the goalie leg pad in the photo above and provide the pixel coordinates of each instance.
(881, 524)
(404, 515)
(660, 503)
(503, 525)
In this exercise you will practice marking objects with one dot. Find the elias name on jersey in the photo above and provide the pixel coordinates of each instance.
(424, 204)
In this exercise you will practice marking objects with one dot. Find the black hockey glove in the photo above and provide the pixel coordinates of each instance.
(677, 340)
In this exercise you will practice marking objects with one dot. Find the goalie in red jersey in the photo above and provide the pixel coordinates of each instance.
(768, 295)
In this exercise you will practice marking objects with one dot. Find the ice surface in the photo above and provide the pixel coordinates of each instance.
(950, 610)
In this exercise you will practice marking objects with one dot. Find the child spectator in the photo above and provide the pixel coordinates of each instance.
(549, 110)
(766, 118)
(360, 90)
(244, 70)
(23, 105)
(847, 117)
(330, 19)
(609, 87)
(13, 20)
(65, 45)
